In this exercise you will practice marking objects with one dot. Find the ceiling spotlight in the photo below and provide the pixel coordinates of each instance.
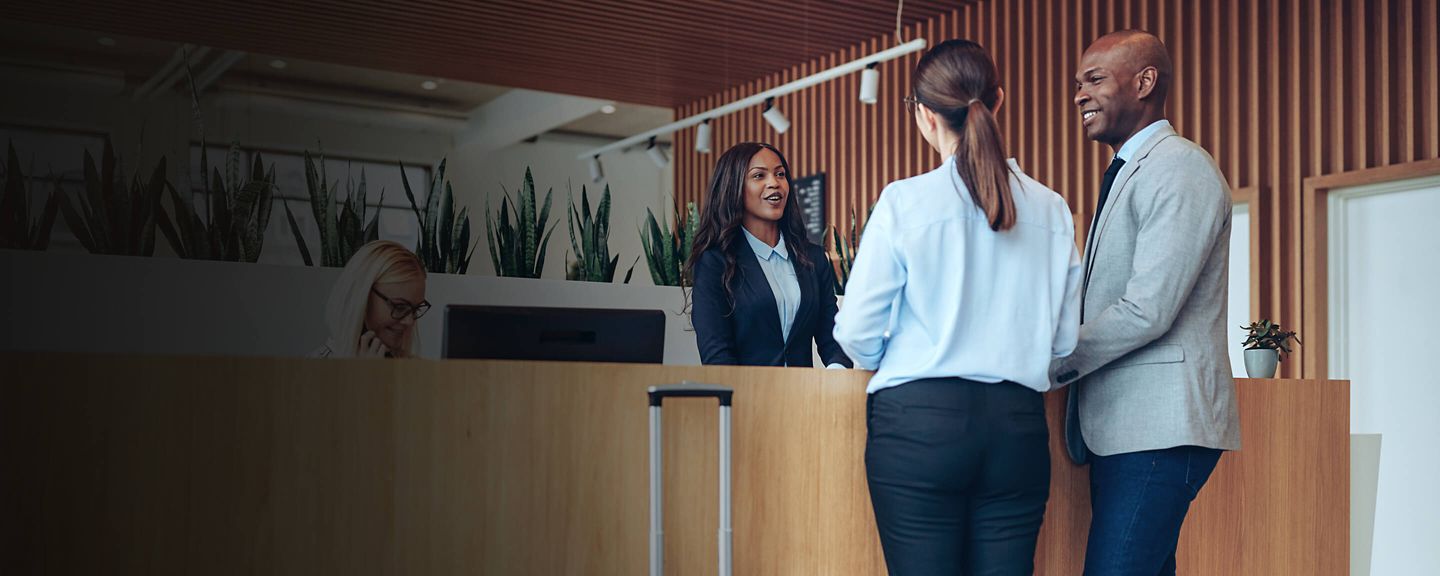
(429, 85)
(278, 64)
(597, 172)
(702, 137)
(657, 154)
(106, 41)
(776, 118)
(869, 84)
(607, 109)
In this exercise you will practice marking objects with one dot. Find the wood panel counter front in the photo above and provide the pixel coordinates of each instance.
(126, 465)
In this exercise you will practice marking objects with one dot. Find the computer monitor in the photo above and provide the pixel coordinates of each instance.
(574, 334)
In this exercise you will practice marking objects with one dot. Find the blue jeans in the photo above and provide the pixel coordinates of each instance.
(1137, 503)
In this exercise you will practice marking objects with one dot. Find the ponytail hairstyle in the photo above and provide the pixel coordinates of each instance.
(957, 81)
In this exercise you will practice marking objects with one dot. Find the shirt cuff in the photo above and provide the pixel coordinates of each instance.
(835, 366)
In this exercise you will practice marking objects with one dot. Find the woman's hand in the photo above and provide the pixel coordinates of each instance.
(372, 347)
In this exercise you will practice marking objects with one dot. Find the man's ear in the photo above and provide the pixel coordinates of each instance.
(1145, 82)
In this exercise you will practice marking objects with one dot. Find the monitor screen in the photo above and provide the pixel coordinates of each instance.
(575, 334)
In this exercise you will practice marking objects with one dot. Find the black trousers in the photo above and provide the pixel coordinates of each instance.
(959, 474)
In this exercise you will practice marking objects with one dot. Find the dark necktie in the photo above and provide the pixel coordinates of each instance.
(1074, 443)
(1115, 166)
(1110, 173)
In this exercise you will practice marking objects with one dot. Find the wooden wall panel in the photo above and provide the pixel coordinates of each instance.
(1278, 91)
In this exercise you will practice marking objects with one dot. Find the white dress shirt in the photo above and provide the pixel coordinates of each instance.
(972, 302)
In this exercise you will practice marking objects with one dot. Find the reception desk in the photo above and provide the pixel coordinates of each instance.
(129, 465)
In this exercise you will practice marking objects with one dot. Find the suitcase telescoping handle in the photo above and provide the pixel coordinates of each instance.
(658, 394)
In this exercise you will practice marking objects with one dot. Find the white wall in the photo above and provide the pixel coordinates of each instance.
(1238, 312)
(133, 305)
(87, 106)
(1384, 317)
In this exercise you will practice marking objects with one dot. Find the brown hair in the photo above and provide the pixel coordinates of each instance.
(957, 80)
(724, 211)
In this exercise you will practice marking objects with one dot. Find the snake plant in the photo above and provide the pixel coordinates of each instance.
(518, 250)
(667, 249)
(16, 229)
(590, 239)
(444, 235)
(236, 214)
(342, 232)
(110, 219)
(845, 247)
(237, 210)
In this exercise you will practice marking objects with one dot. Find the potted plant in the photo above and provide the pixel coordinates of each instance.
(666, 250)
(590, 239)
(1266, 345)
(342, 231)
(444, 235)
(844, 247)
(18, 229)
(518, 250)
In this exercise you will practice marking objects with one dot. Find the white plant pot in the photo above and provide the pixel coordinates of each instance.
(1261, 363)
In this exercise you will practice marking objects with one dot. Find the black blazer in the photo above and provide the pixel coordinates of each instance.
(749, 334)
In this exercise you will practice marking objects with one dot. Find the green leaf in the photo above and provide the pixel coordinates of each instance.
(540, 258)
(14, 216)
(430, 251)
(102, 204)
(631, 271)
(147, 205)
(465, 264)
(459, 260)
(529, 235)
(602, 225)
(77, 224)
(419, 219)
(493, 240)
(447, 231)
(609, 275)
(576, 233)
(295, 230)
(41, 239)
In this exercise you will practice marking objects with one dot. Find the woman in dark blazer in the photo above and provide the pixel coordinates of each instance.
(761, 291)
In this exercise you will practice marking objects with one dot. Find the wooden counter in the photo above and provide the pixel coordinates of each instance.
(126, 465)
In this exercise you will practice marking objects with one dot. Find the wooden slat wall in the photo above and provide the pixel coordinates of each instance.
(656, 52)
(1277, 91)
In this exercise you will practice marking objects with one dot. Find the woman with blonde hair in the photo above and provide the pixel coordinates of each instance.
(374, 305)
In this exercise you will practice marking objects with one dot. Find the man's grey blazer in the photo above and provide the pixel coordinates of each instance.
(1150, 369)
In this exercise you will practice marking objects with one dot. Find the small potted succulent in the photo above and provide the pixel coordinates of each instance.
(1265, 346)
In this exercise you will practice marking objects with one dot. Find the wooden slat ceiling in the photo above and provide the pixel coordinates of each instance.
(656, 52)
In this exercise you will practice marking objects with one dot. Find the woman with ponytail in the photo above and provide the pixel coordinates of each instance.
(978, 263)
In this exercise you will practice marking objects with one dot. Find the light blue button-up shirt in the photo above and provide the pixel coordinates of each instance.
(784, 285)
(1128, 149)
(780, 274)
(972, 302)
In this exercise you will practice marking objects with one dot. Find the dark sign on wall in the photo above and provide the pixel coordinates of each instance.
(810, 194)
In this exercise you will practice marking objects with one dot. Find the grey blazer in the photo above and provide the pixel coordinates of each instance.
(1150, 370)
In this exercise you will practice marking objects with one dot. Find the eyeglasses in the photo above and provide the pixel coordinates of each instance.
(911, 102)
(400, 310)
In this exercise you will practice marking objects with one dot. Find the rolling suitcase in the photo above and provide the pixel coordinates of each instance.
(658, 394)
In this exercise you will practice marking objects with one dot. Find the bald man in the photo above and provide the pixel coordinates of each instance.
(1151, 405)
